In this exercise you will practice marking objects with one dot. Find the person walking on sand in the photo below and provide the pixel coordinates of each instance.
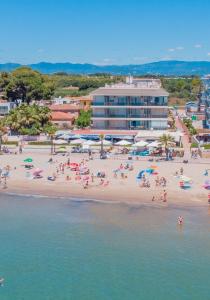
(181, 171)
(157, 182)
(164, 196)
(92, 177)
(209, 197)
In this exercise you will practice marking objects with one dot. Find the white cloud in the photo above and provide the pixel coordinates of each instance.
(208, 54)
(179, 48)
(171, 50)
(198, 46)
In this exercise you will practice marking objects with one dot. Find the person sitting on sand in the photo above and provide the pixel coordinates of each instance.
(206, 173)
(101, 182)
(106, 183)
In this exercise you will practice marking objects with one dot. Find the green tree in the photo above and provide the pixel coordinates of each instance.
(3, 131)
(84, 119)
(29, 119)
(27, 85)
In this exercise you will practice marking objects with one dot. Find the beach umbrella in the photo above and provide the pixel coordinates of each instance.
(105, 143)
(153, 167)
(89, 143)
(73, 165)
(78, 141)
(65, 136)
(37, 172)
(140, 144)
(123, 143)
(185, 178)
(28, 160)
(59, 142)
(154, 144)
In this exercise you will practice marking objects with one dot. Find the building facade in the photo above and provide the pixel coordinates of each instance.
(206, 99)
(135, 105)
(5, 107)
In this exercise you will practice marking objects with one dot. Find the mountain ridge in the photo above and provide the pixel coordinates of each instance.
(167, 68)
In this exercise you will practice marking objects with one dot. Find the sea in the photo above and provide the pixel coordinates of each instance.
(72, 249)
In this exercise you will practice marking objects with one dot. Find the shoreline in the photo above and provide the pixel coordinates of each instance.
(81, 198)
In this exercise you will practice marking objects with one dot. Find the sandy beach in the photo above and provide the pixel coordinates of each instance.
(126, 190)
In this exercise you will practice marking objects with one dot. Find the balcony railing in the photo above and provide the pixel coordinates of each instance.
(129, 116)
(128, 104)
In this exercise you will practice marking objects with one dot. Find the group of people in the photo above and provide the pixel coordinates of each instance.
(160, 181)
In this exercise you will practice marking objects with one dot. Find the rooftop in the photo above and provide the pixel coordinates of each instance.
(62, 116)
(65, 107)
(128, 90)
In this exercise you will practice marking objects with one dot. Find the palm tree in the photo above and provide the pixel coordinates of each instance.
(101, 136)
(50, 130)
(166, 140)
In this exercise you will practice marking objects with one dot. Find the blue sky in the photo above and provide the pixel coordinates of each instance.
(104, 31)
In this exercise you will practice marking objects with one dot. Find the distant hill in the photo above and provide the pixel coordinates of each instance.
(167, 68)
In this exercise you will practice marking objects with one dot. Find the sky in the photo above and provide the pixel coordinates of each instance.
(104, 32)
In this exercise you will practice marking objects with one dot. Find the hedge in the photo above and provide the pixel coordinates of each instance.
(10, 143)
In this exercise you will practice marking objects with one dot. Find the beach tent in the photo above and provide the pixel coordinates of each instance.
(123, 143)
(140, 144)
(59, 142)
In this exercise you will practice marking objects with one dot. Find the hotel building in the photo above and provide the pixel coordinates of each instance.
(206, 99)
(134, 105)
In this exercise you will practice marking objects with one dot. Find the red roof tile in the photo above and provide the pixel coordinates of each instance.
(62, 116)
(65, 107)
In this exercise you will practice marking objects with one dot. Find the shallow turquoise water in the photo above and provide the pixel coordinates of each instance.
(59, 249)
